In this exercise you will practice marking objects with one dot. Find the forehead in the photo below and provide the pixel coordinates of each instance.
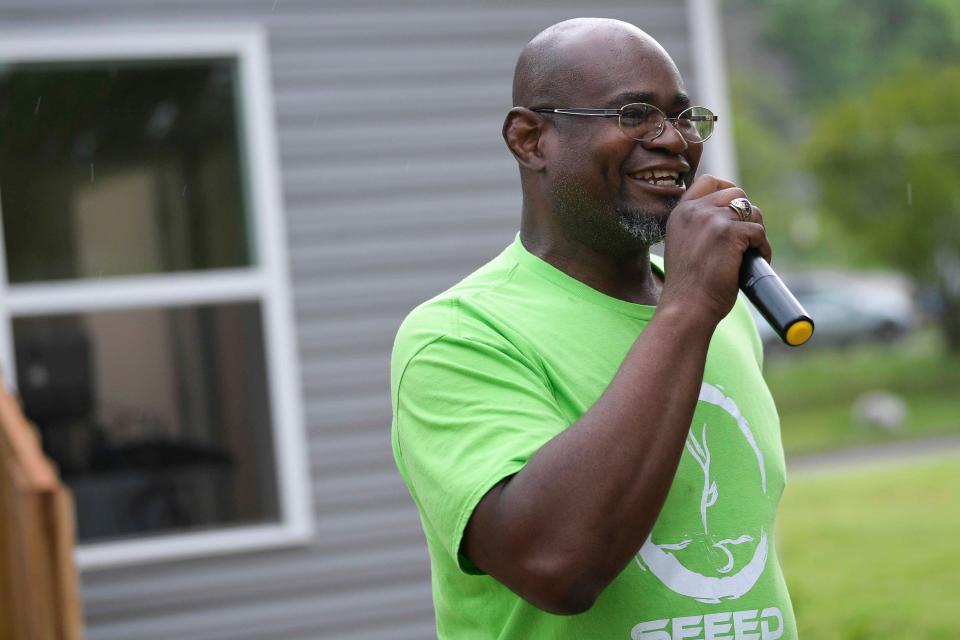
(614, 70)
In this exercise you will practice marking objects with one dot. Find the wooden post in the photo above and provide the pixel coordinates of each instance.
(39, 593)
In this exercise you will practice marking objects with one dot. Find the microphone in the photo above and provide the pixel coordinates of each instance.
(764, 288)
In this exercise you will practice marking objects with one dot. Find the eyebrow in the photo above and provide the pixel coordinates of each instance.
(628, 97)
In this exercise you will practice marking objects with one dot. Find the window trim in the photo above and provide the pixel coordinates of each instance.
(267, 280)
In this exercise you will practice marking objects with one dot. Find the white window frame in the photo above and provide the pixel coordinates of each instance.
(267, 279)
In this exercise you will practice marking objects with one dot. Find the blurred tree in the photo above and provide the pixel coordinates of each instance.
(769, 135)
(840, 46)
(765, 172)
(888, 168)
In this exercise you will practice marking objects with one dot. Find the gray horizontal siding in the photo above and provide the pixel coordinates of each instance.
(396, 184)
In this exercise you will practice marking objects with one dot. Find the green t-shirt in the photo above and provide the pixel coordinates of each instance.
(486, 373)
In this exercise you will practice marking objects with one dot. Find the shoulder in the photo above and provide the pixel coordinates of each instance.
(458, 312)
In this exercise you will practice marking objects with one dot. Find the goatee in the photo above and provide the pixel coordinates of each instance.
(646, 227)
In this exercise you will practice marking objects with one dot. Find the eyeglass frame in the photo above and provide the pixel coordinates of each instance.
(609, 113)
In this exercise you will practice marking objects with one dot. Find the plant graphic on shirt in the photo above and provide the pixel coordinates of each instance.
(701, 453)
(719, 582)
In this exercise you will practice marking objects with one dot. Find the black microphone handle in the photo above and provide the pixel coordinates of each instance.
(764, 288)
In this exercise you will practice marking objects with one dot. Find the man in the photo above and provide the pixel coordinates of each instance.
(584, 428)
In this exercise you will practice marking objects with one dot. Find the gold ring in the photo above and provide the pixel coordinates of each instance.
(743, 208)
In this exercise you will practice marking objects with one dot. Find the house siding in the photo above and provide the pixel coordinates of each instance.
(396, 184)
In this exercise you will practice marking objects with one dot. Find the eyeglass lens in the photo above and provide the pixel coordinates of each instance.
(645, 122)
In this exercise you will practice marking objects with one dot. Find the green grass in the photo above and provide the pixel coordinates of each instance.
(874, 553)
(815, 392)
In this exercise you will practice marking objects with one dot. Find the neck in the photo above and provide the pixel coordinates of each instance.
(626, 277)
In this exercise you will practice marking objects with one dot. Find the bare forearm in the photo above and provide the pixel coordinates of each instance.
(584, 504)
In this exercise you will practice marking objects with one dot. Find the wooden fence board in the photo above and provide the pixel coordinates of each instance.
(39, 594)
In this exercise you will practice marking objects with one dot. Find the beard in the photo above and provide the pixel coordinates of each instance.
(646, 227)
(614, 228)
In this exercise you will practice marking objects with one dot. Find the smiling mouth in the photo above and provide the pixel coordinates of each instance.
(660, 178)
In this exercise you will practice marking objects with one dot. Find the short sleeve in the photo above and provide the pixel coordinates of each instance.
(468, 413)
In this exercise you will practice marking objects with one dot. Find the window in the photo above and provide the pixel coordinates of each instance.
(144, 301)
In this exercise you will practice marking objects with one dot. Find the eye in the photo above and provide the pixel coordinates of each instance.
(696, 123)
(685, 121)
(637, 115)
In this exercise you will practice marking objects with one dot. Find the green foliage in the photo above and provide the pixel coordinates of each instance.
(769, 137)
(838, 46)
(870, 553)
(888, 166)
(881, 80)
(766, 171)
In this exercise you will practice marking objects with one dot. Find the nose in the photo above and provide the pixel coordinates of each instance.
(669, 139)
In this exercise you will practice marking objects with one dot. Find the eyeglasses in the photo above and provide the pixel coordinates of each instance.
(645, 122)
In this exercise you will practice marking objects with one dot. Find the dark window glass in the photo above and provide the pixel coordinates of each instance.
(121, 168)
(158, 419)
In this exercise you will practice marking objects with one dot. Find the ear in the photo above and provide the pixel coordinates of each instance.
(523, 131)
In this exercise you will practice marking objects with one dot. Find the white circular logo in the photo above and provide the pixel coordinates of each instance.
(660, 560)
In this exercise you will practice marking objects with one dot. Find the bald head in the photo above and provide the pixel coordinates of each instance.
(569, 54)
(582, 176)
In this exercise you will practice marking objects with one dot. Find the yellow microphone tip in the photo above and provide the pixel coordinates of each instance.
(799, 332)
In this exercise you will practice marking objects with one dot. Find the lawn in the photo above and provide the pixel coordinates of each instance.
(815, 391)
(874, 553)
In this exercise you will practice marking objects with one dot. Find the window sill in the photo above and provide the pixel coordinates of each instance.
(107, 555)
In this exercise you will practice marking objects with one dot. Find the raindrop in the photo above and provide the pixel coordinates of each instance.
(183, 194)
(36, 109)
(909, 194)
(92, 176)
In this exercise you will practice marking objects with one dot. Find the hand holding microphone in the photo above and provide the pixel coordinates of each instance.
(710, 255)
(764, 288)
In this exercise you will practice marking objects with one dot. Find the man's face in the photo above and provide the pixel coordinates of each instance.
(603, 184)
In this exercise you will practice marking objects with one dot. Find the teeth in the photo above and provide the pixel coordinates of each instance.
(659, 176)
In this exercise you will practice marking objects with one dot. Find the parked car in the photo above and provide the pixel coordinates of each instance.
(849, 308)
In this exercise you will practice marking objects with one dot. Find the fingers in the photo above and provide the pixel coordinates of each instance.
(705, 185)
(752, 229)
(719, 193)
(756, 214)
(756, 236)
(724, 197)
(706, 239)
